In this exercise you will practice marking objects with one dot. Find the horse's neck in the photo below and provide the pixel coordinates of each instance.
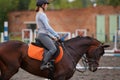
(76, 49)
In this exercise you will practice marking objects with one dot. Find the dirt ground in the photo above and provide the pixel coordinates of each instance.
(103, 74)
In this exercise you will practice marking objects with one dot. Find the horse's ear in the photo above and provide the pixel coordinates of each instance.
(105, 46)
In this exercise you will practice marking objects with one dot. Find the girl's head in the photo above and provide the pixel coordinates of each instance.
(41, 3)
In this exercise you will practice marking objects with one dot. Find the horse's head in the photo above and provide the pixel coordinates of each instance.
(93, 49)
(93, 56)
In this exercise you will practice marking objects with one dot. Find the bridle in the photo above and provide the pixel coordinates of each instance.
(86, 60)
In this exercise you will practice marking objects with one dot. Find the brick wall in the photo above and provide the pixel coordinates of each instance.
(65, 20)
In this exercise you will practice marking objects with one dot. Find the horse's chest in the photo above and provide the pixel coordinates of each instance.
(69, 71)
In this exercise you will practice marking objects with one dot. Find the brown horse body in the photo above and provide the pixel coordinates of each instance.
(13, 55)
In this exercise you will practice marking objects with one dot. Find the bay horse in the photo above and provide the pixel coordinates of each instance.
(13, 55)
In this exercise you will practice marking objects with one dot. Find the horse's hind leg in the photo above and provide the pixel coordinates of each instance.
(8, 74)
(0, 70)
(7, 71)
(0, 75)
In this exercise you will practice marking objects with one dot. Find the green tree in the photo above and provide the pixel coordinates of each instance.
(114, 2)
(32, 4)
(108, 2)
(11, 5)
(62, 4)
(77, 4)
(23, 4)
(5, 7)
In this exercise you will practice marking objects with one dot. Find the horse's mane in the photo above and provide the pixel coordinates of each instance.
(80, 38)
(87, 39)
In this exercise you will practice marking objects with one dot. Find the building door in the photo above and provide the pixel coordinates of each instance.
(112, 26)
(100, 28)
(119, 23)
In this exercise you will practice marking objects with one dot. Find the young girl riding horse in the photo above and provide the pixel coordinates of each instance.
(45, 31)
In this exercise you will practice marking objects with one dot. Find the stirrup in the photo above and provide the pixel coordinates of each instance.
(50, 65)
(46, 66)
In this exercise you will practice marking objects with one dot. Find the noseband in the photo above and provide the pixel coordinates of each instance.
(91, 60)
(86, 60)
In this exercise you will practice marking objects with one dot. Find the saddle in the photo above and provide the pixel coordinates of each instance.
(36, 50)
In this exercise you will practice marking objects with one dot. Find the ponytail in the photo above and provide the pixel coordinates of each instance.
(37, 9)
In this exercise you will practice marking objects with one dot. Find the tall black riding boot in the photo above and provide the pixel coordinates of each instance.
(44, 64)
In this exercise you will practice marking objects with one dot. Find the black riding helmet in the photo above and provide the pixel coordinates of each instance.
(41, 2)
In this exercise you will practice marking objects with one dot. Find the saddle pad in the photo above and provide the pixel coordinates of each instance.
(36, 52)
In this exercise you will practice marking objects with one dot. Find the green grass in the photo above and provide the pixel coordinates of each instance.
(15, 38)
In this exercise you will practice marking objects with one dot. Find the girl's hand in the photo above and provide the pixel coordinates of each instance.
(56, 38)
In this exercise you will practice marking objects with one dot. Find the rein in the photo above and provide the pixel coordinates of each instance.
(73, 61)
(84, 59)
(85, 64)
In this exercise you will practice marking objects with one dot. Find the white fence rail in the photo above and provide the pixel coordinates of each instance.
(109, 67)
(29, 36)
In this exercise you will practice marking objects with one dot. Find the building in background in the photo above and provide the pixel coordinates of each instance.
(100, 21)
